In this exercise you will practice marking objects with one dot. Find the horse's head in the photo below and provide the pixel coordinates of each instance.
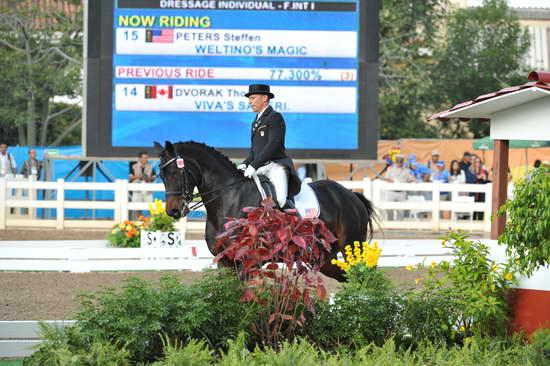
(179, 181)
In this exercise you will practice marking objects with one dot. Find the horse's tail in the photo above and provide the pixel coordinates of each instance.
(371, 214)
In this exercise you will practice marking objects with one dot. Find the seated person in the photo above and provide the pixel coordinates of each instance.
(442, 174)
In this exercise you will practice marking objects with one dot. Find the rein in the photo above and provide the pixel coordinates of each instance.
(188, 197)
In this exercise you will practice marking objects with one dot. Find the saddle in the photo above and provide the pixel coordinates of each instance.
(305, 202)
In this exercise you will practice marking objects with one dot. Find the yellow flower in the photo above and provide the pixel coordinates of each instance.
(494, 268)
(121, 226)
(409, 268)
(114, 231)
(434, 264)
(417, 281)
(509, 276)
(128, 227)
(462, 328)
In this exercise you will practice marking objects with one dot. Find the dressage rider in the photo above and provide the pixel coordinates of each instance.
(267, 155)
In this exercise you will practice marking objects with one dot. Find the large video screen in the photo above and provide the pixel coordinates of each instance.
(179, 71)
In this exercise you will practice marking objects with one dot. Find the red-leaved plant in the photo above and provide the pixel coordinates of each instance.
(269, 236)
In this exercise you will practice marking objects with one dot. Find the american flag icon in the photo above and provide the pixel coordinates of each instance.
(311, 212)
(159, 35)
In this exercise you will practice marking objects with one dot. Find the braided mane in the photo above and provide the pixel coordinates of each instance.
(209, 149)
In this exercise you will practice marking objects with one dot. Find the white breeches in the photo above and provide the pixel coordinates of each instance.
(276, 173)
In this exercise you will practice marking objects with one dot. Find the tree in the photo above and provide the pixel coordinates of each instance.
(408, 31)
(41, 57)
(433, 57)
(482, 51)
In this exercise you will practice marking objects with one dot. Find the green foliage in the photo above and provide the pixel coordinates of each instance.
(194, 353)
(482, 51)
(527, 232)
(64, 346)
(427, 316)
(541, 343)
(476, 286)
(41, 53)
(362, 312)
(136, 315)
(433, 56)
(408, 32)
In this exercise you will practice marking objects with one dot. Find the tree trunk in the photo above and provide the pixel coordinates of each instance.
(21, 135)
(31, 123)
(45, 123)
(31, 102)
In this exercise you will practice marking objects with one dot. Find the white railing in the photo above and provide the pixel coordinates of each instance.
(399, 205)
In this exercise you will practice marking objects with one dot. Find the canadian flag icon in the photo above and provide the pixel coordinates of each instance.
(164, 92)
(159, 92)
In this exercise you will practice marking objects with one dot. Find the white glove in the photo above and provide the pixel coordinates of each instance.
(250, 170)
(242, 167)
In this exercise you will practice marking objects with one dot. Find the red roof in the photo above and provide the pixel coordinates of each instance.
(537, 80)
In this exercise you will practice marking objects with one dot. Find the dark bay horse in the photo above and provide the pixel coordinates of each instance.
(225, 192)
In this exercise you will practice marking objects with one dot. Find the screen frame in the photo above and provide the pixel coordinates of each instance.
(98, 89)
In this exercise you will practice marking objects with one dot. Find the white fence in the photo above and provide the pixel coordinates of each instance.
(425, 206)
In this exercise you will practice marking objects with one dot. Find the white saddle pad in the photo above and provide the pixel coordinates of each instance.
(306, 202)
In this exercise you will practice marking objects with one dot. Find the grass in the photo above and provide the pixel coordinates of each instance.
(11, 362)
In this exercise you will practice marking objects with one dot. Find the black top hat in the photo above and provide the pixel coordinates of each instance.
(259, 89)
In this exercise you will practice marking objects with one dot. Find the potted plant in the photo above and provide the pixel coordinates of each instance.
(527, 240)
(126, 234)
(159, 229)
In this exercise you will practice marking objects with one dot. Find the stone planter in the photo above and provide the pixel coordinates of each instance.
(161, 239)
(531, 302)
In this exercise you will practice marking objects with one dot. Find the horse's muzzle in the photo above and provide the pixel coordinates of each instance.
(175, 213)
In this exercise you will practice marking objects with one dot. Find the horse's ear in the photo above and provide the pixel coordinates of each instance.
(159, 148)
(169, 147)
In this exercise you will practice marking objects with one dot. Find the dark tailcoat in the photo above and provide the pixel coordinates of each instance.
(268, 144)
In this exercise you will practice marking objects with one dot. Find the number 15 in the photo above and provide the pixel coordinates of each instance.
(131, 36)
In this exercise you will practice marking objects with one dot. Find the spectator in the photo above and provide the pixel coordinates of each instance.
(442, 174)
(481, 176)
(142, 172)
(432, 163)
(456, 175)
(7, 162)
(465, 164)
(537, 163)
(397, 172)
(479, 171)
(420, 171)
(32, 166)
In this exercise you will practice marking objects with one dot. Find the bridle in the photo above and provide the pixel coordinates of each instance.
(187, 196)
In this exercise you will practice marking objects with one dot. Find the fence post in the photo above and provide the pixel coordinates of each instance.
(2, 203)
(367, 188)
(435, 205)
(376, 197)
(60, 208)
(124, 198)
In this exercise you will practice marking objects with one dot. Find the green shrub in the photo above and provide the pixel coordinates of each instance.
(64, 346)
(476, 286)
(427, 316)
(527, 232)
(195, 353)
(359, 315)
(136, 314)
